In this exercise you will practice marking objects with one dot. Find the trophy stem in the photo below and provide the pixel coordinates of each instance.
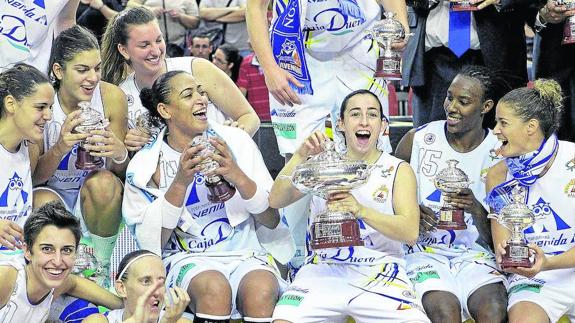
(86, 161)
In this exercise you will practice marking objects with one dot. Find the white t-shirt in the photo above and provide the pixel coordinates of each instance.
(27, 30)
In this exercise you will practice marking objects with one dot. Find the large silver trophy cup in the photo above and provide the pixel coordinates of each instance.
(385, 32)
(219, 189)
(93, 120)
(451, 180)
(516, 217)
(321, 175)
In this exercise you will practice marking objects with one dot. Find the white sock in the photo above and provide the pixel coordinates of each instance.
(103, 248)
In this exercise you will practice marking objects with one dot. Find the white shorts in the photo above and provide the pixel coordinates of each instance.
(552, 290)
(332, 80)
(71, 200)
(460, 276)
(183, 267)
(331, 292)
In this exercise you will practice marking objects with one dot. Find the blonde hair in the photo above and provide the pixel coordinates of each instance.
(543, 102)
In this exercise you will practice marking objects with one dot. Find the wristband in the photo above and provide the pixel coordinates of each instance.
(119, 162)
(259, 202)
(102, 6)
(170, 215)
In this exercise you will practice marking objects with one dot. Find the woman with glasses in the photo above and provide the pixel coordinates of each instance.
(133, 41)
(228, 59)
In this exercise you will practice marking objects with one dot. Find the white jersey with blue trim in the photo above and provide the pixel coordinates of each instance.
(16, 185)
(332, 26)
(552, 200)
(211, 231)
(376, 193)
(67, 179)
(135, 106)
(429, 154)
(19, 309)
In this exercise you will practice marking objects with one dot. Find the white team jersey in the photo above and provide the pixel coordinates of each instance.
(117, 316)
(16, 185)
(67, 180)
(27, 30)
(332, 26)
(135, 107)
(18, 309)
(429, 154)
(552, 200)
(211, 231)
(376, 193)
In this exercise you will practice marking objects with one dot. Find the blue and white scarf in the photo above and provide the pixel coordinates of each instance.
(288, 46)
(525, 170)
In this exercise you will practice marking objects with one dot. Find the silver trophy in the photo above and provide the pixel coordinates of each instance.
(85, 264)
(463, 5)
(385, 32)
(451, 180)
(219, 189)
(569, 24)
(516, 217)
(321, 175)
(93, 120)
(143, 123)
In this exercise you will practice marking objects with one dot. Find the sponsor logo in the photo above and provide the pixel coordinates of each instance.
(493, 154)
(570, 165)
(282, 113)
(570, 189)
(535, 288)
(381, 194)
(387, 172)
(424, 275)
(483, 174)
(408, 294)
(130, 99)
(286, 130)
(429, 138)
(183, 271)
(290, 299)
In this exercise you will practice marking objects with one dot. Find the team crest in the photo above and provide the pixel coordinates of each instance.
(386, 172)
(289, 59)
(429, 138)
(381, 194)
(493, 154)
(570, 165)
(483, 174)
(570, 189)
(130, 99)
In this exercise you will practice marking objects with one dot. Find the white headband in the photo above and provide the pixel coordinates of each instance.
(134, 260)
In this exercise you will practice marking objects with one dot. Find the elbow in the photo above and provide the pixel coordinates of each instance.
(412, 236)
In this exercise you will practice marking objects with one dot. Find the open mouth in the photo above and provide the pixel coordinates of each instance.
(55, 274)
(153, 60)
(155, 306)
(363, 136)
(453, 119)
(88, 89)
(201, 114)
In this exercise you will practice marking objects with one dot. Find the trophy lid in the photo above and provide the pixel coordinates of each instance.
(329, 171)
(92, 119)
(388, 28)
(451, 179)
(517, 212)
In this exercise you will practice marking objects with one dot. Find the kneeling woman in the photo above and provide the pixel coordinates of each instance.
(369, 282)
(211, 249)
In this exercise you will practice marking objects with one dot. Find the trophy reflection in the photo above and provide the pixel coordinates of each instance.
(516, 217)
(385, 32)
(451, 180)
(93, 120)
(143, 123)
(325, 173)
(219, 190)
(569, 24)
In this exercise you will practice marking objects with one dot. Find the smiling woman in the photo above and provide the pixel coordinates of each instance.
(211, 246)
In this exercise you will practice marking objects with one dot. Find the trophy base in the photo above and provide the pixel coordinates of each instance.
(568, 32)
(463, 7)
(450, 219)
(335, 234)
(388, 68)
(516, 255)
(85, 161)
(220, 191)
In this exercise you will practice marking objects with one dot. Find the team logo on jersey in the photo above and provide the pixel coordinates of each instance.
(570, 189)
(483, 174)
(380, 195)
(429, 138)
(408, 293)
(13, 191)
(130, 99)
(386, 172)
(570, 165)
(493, 154)
(546, 219)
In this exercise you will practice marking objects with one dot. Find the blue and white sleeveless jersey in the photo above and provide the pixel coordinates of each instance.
(376, 193)
(429, 154)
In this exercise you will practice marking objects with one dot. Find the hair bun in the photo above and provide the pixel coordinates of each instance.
(550, 90)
